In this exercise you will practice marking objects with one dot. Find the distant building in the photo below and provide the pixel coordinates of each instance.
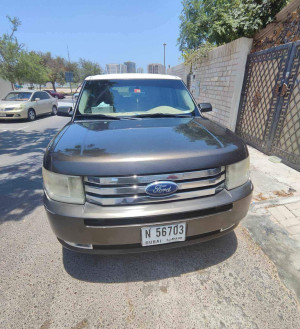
(156, 68)
(131, 67)
(140, 70)
(116, 68)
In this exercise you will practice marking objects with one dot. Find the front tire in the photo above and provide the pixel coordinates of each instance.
(31, 115)
(54, 110)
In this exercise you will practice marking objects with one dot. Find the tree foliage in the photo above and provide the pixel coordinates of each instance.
(10, 51)
(32, 69)
(191, 56)
(55, 68)
(19, 65)
(222, 21)
(87, 68)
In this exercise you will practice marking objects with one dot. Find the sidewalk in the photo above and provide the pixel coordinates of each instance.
(273, 219)
(276, 192)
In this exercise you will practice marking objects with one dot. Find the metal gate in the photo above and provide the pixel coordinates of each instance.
(269, 111)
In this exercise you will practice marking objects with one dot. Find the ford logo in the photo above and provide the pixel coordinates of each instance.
(161, 188)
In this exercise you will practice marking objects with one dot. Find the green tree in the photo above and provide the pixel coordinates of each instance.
(222, 21)
(55, 67)
(31, 68)
(10, 52)
(87, 68)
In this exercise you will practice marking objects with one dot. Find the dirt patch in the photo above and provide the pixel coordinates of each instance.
(82, 324)
(283, 193)
(260, 197)
(46, 325)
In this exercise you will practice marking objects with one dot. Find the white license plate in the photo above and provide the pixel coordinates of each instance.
(2, 115)
(154, 235)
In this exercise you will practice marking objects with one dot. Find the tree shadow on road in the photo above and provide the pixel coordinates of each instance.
(21, 182)
(20, 190)
(22, 143)
(151, 265)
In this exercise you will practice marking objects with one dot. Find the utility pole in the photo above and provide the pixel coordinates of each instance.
(70, 67)
(164, 44)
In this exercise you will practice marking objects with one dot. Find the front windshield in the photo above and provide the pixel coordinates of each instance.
(18, 96)
(134, 97)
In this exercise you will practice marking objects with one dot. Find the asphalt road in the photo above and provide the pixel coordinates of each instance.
(225, 283)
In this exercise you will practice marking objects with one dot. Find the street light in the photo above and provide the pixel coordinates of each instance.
(164, 44)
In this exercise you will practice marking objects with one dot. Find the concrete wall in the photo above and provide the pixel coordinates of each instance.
(180, 71)
(5, 87)
(218, 80)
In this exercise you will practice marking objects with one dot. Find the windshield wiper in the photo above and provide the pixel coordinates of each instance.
(102, 116)
(95, 117)
(162, 115)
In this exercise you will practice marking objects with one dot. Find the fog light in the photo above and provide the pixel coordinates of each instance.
(17, 115)
(79, 245)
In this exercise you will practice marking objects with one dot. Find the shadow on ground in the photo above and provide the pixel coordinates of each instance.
(11, 121)
(151, 265)
(20, 142)
(21, 182)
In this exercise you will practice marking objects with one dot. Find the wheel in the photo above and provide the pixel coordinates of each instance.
(31, 115)
(54, 110)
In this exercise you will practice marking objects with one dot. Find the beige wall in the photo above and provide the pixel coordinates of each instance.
(179, 70)
(218, 80)
(5, 87)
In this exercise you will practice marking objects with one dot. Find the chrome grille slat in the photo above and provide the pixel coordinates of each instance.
(131, 190)
(136, 189)
(148, 199)
(143, 179)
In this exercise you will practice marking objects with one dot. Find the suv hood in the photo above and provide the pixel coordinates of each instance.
(146, 146)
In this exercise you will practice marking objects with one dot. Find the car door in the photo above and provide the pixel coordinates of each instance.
(37, 104)
(46, 102)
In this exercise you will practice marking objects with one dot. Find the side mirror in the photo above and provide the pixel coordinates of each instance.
(205, 107)
(65, 111)
(37, 99)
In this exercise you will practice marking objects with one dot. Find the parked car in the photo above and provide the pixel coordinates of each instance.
(75, 96)
(17, 86)
(139, 168)
(77, 91)
(55, 94)
(27, 105)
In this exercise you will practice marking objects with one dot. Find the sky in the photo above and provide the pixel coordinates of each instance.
(104, 31)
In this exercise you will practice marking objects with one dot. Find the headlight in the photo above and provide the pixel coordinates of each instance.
(237, 174)
(63, 188)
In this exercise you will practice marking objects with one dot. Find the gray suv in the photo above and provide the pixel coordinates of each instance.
(139, 168)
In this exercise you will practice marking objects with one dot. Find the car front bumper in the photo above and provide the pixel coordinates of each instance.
(118, 229)
(14, 115)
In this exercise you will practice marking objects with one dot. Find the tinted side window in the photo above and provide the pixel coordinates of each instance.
(35, 95)
(44, 95)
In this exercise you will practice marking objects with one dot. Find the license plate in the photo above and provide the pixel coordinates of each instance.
(2, 115)
(154, 235)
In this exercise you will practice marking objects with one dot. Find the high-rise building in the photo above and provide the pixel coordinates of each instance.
(116, 68)
(156, 68)
(140, 70)
(131, 67)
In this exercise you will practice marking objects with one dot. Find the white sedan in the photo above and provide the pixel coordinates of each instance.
(27, 105)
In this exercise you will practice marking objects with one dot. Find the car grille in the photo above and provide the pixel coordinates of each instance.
(130, 190)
